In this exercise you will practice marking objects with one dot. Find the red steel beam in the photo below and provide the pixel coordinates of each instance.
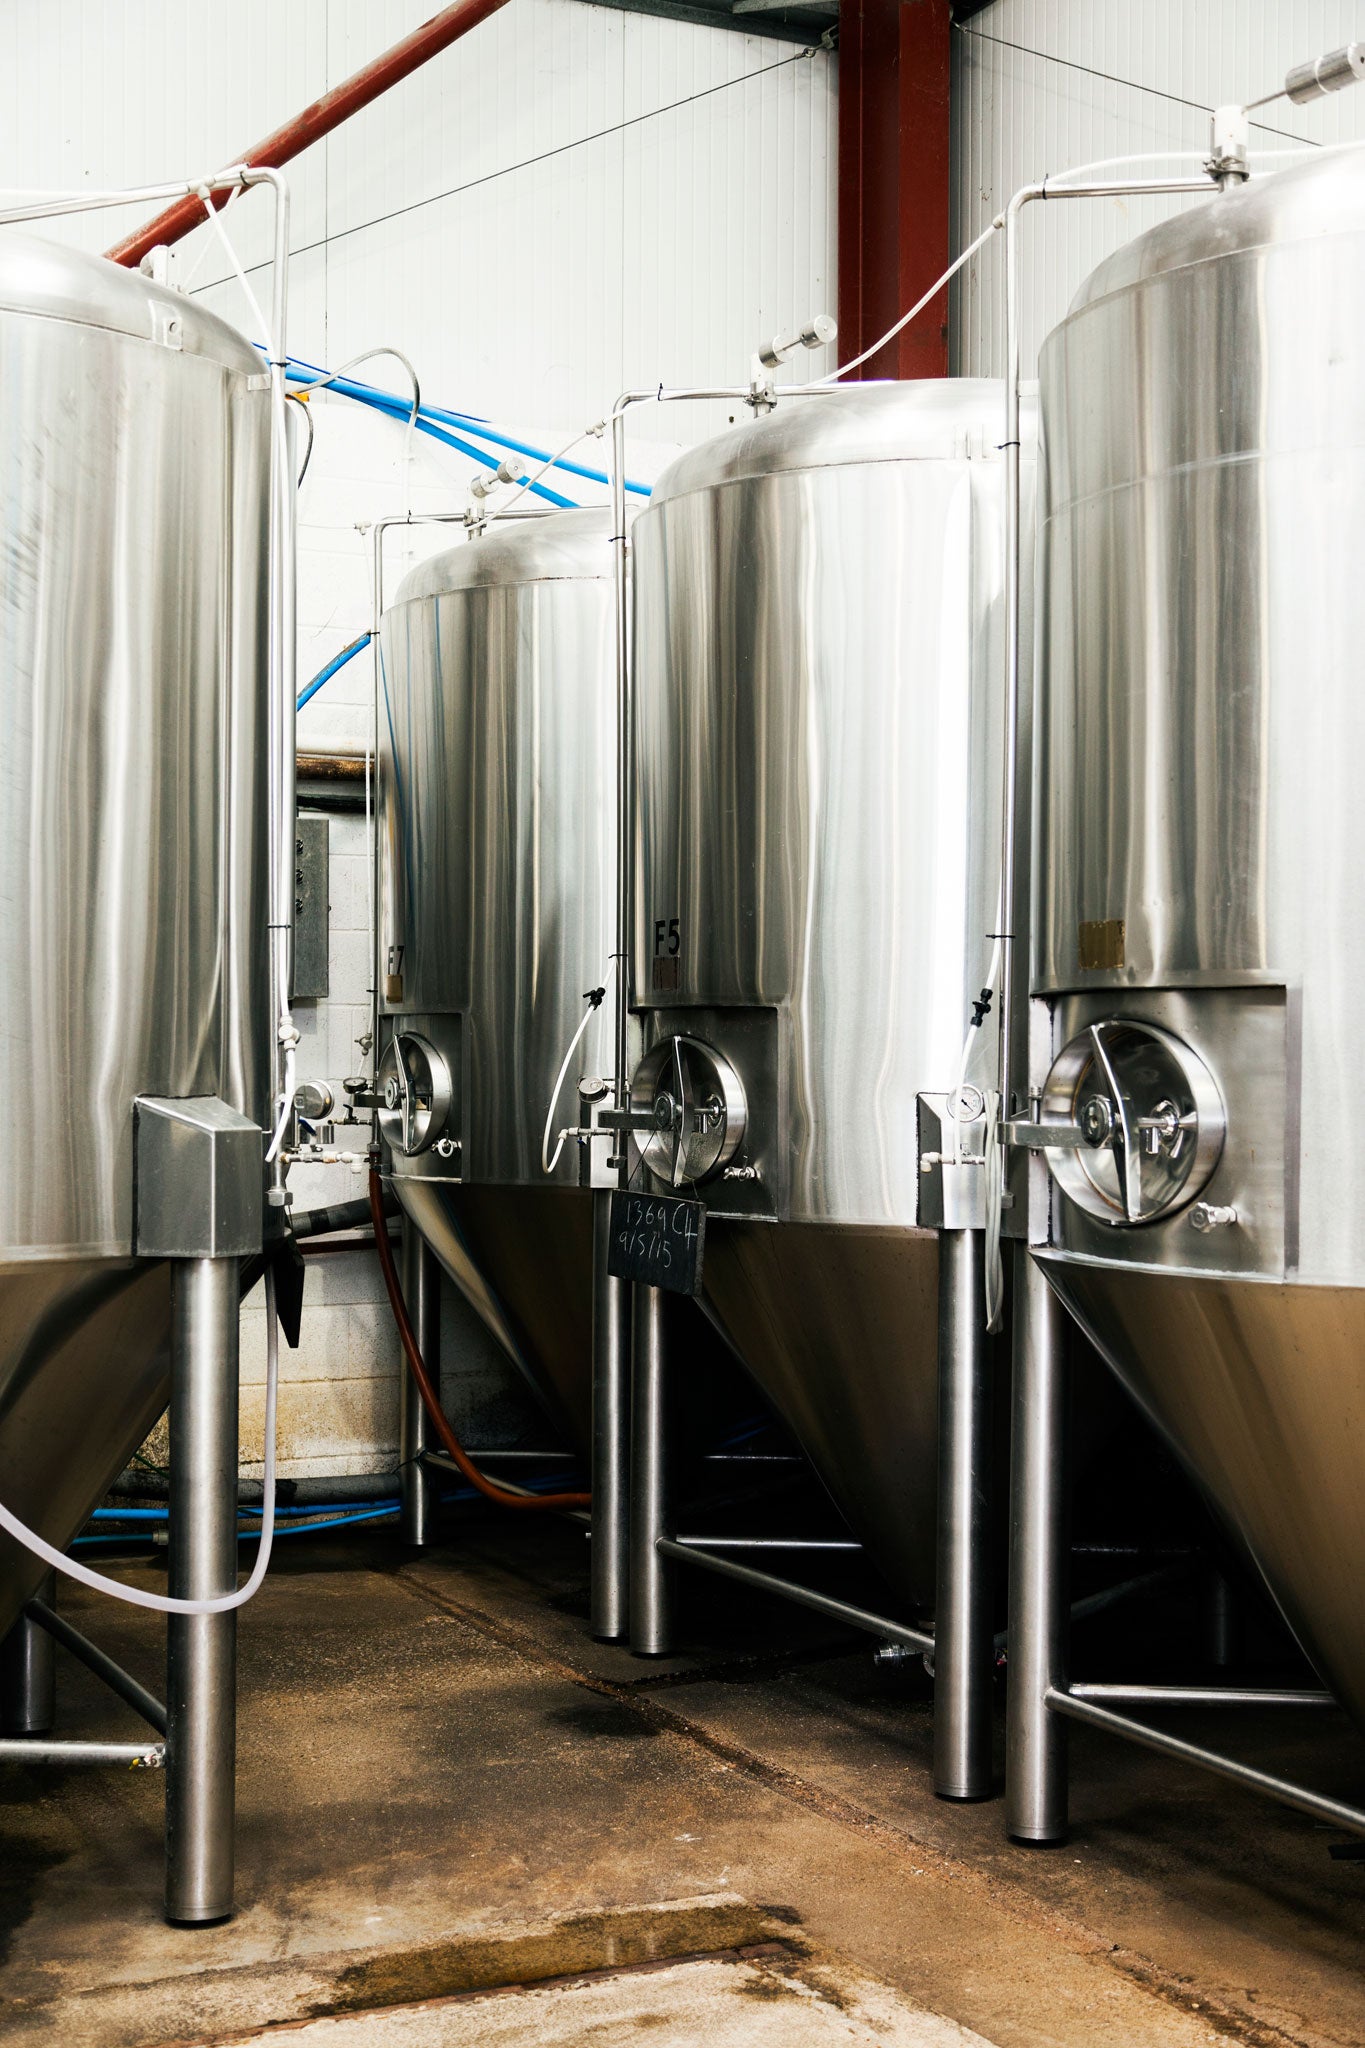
(893, 181)
(321, 117)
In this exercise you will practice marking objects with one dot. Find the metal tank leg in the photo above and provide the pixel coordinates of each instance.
(201, 1661)
(1035, 1748)
(650, 1603)
(28, 1673)
(417, 1482)
(611, 1321)
(964, 1643)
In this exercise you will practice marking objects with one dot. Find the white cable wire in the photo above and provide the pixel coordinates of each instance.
(548, 1164)
(918, 307)
(262, 324)
(587, 434)
(161, 1603)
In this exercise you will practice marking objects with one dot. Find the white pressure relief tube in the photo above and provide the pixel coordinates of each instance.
(161, 1603)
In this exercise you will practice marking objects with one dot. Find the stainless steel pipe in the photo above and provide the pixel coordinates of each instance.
(650, 1604)
(611, 1336)
(1035, 1743)
(417, 1481)
(964, 1644)
(136, 1756)
(201, 1649)
(28, 1673)
(801, 1596)
(58, 1630)
(1351, 1818)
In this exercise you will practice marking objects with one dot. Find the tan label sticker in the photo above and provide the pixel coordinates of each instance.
(393, 988)
(1101, 942)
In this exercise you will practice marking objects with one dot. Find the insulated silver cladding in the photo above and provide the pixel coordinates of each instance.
(819, 640)
(133, 854)
(1200, 842)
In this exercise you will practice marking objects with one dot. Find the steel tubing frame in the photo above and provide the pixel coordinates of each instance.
(28, 1672)
(1041, 1700)
(201, 1649)
(417, 1481)
(964, 1634)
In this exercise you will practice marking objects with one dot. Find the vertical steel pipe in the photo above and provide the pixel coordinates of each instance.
(201, 1660)
(417, 1482)
(1035, 1744)
(650, 1617)
(964, 1642)
(610, 1433)
(28, 1673)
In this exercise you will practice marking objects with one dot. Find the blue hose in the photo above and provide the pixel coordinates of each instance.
(324, 675)
(393, 402)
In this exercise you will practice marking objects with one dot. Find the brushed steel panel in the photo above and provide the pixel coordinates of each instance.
(840, 1329)
(133, 855)
(1259, 1387)
(498, 857)
(818, 618)
(1200, 721)
(84, 1374)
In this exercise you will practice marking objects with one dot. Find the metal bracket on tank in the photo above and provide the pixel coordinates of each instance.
(199, 1179)
(952, 1160)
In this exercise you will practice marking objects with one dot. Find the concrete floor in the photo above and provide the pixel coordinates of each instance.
(461, 1821)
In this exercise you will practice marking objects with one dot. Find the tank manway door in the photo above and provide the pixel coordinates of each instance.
(415, 1093)
(1131, 1122)
(688, 1111)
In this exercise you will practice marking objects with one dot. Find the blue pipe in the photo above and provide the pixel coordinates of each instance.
(397, 408)
(393, 401)
(324, 675)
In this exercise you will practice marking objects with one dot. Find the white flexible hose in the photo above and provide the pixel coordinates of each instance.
(548, 1164)
(161, 1603)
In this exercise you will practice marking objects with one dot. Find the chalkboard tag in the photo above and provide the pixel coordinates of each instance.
(657, 1240)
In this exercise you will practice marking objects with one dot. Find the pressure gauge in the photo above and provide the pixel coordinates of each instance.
(1138, 1121)
(415, 1093)
(697, 1112)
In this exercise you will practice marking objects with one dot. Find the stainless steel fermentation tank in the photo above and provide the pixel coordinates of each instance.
(818, 740)
(133, 850)
(497, 879)
(1199, 957)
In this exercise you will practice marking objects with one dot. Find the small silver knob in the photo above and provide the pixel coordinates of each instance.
(1206, 1216)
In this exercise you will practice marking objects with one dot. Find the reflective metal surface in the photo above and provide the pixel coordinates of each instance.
(818, 670)
(840, 1329)
(497, 896)
(132, 829)
(1200, 835)
(1260, 1387)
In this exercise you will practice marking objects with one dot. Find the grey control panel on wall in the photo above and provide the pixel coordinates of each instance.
(311, 909)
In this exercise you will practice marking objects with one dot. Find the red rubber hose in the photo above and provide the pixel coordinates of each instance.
(431, 1399)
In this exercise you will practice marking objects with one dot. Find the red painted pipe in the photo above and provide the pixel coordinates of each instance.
(321, 118)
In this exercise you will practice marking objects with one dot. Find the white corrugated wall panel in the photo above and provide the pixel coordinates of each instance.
(1039, 85)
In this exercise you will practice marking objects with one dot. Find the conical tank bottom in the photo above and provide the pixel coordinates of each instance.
(839, 1326)
(522, 1258)
(84, 1375)
(1260, 1390)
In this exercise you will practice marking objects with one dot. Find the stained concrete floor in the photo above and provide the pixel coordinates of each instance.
(461, 1820)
